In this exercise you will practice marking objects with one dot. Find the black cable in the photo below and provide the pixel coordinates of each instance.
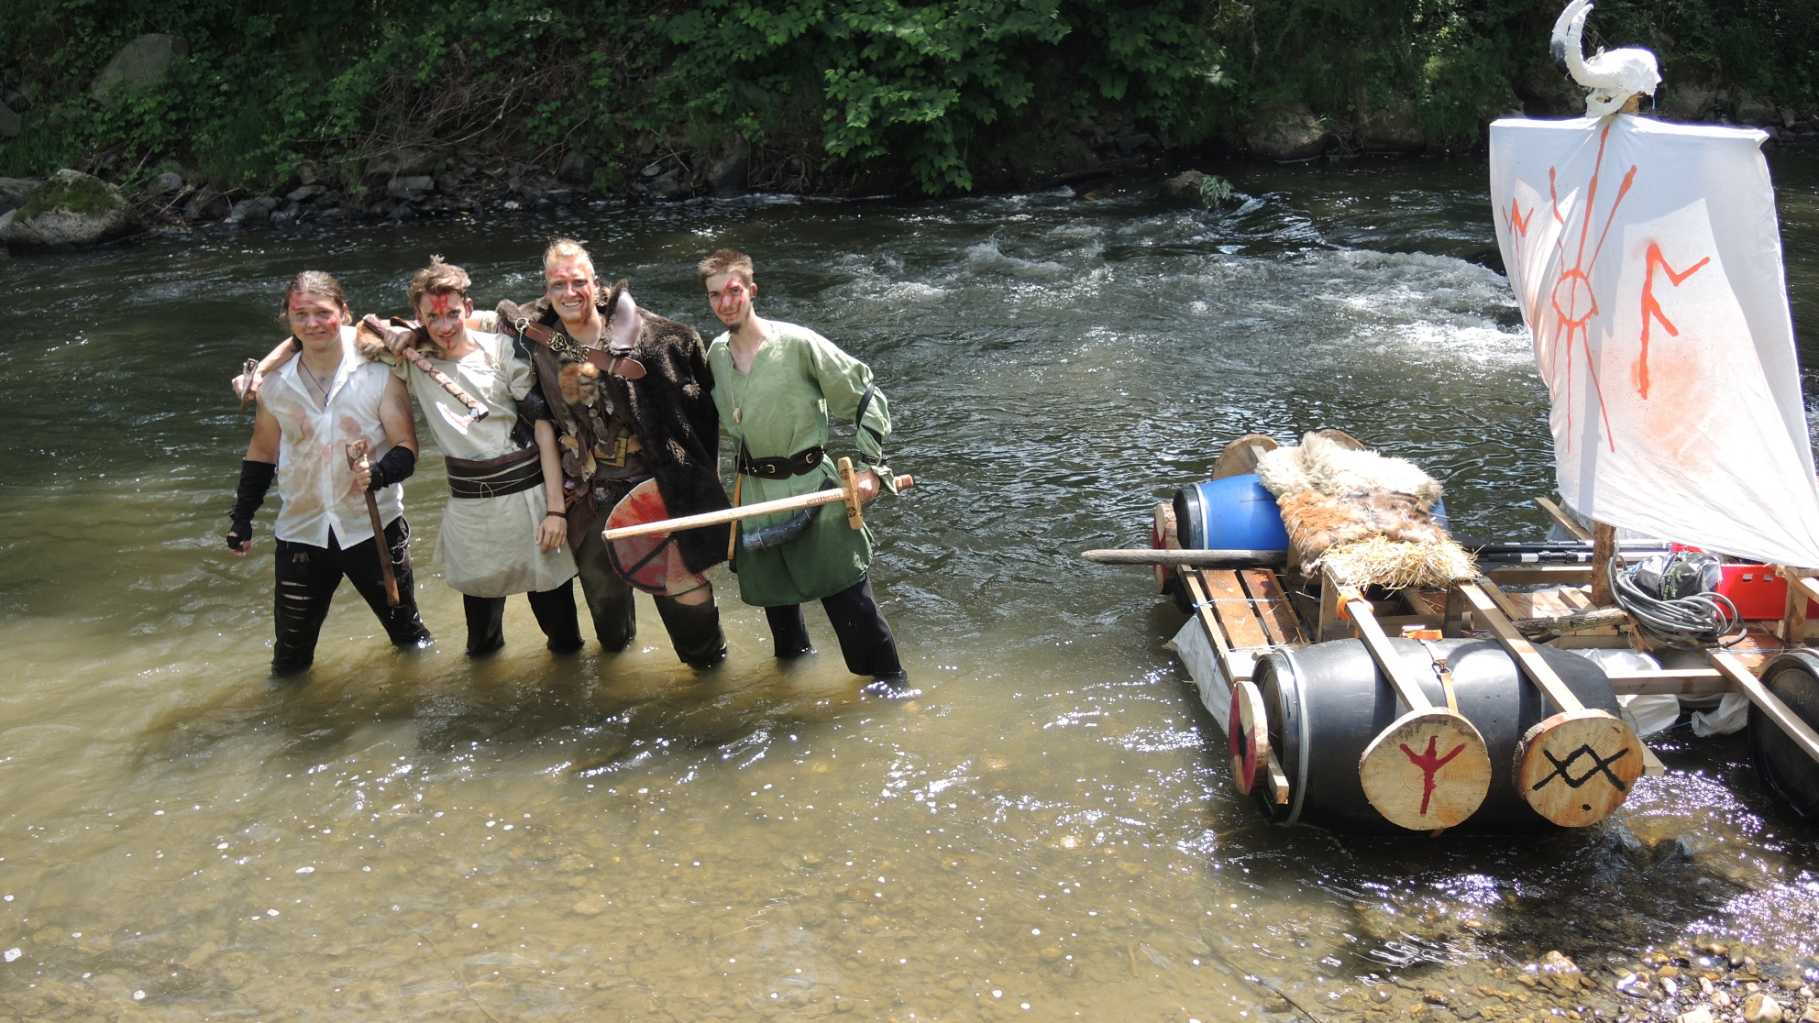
(1699, 619)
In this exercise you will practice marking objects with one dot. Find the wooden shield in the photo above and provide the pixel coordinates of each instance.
(651, 563)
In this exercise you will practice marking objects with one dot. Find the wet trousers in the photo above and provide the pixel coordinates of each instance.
(694, 629)
(865, 638)
(308, 576)
(555, 611)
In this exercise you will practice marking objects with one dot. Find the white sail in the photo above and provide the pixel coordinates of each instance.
(1646, 258)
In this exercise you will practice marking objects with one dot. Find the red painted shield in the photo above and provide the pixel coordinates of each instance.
(651, 563)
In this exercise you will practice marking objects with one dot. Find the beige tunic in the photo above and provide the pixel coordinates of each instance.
(488, 546)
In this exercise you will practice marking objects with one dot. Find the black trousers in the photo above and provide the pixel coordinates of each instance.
(694, 629)
(555, 611)
(865, 638)
(308, 576)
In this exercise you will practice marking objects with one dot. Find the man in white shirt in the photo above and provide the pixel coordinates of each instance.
(309, 412)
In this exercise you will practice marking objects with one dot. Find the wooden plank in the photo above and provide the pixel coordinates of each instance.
(1215, 633)
(1273, 773)
(1331, 624)
(1668, 681)
(1651, 764)
(1526, 574)
(1800, 590)
(1574, 597)
(1272, 605)
(1503, 600)
(1767, 702)
(1234, 609)
(1567, 522)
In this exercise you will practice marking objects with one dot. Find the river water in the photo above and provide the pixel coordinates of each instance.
(1043, 829)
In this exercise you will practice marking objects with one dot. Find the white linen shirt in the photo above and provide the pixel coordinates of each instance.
(314, 482)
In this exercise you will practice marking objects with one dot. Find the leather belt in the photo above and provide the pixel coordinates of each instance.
(779, 468)
(619, 362)
(494, 477)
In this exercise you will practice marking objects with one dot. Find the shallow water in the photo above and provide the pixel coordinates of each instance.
(1044, 829)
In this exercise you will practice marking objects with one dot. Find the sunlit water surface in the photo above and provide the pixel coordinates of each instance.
(1044, 830)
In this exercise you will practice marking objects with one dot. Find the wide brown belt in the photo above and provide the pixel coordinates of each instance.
(494, 477)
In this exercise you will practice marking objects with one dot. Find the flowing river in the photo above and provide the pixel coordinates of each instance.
(1044, 829)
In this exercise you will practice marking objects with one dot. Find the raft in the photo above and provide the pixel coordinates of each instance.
(1432, 708)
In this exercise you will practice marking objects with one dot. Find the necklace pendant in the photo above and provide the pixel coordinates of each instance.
(738, 416)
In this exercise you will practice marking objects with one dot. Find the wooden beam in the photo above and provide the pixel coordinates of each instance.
(1567, 522)
(1669, 681)
(1767, 702)
(1527, 657)
(1524, 574)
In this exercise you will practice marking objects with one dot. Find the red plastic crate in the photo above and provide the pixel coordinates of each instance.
(1758, 591)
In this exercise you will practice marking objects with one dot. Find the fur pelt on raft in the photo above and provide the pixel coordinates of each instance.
(1364, 517)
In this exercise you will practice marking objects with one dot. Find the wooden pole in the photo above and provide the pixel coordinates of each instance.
(356, 459)
(1186, 558)
(1604, 547)
(848, 495)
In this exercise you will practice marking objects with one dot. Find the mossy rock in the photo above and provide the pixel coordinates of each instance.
(70, 209)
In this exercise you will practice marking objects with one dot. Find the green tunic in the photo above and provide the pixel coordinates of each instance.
(798, 381)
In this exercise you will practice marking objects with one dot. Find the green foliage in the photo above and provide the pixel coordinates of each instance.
(933, 94)
(1215, 191)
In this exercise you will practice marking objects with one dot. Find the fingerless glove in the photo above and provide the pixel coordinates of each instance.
(255, 480)
(395, 467)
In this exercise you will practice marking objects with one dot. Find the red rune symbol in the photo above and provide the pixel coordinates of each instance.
(1651, 309)
(1430, 765)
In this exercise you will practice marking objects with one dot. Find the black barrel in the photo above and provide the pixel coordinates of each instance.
(1326, 702)
(1780, 761)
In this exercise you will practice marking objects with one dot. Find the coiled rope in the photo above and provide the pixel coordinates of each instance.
(1699, 619)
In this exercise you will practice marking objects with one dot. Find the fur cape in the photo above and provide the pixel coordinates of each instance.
(671, 410)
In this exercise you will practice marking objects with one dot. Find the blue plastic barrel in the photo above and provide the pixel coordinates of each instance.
(1233, 513)
(1236, 513)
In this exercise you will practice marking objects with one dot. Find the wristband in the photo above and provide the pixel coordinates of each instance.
(557, 514)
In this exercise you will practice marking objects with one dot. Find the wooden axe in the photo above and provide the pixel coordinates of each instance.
(356, 459)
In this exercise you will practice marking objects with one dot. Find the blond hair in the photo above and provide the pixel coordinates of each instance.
(726, 261)
(322, 285)
(563, 250)
(438, 278)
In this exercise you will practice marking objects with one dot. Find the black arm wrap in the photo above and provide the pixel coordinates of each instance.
(255, 480)
(395, 467)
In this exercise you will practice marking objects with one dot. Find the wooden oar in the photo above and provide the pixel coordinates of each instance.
(356, 459)
(848, 493)
(1576, 766)
(1430, 768)
(1187, 558)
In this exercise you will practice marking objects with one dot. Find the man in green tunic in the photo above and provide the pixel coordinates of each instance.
(776, 386)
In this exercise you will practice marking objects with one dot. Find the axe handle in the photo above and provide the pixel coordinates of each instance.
(416, 358)
(715, 518)
(356, 458)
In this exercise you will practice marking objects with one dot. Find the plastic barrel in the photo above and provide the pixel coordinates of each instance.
(1780, 761)
(1236, 513)
(1326, 702)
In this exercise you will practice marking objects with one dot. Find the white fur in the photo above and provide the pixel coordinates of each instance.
(1332, 469)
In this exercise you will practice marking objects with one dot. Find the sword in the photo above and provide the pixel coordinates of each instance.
(848, 494)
